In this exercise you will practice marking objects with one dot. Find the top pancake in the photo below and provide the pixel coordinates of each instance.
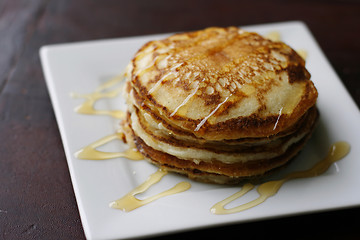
(222, 83)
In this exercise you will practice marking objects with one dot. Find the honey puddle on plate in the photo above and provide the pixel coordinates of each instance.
(129, 202)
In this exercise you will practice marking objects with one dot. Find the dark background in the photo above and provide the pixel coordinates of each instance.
(36, 196)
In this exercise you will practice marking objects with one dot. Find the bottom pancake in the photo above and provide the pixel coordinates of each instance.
(216, 171)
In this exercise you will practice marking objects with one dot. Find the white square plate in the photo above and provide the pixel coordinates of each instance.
(81, 67)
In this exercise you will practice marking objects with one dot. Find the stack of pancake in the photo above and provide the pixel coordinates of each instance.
(219, 105)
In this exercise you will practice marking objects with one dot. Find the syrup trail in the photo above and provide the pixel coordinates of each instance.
(87, 107)
(90, 153)
(337, 151)
(129, 202)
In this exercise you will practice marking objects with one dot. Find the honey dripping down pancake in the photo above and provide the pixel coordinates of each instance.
(219, 105)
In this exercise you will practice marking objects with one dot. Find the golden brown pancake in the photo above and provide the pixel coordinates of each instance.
(219, 105)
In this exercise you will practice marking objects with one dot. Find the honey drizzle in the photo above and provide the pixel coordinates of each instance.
(276, 37)
(129, 202)
(303, 53)
(337, 151)
(273, 36)
(278, 118)
(165, 77)
(90, 153)
(212, 113)
(185, 100)
(158, 83)
(87, 107)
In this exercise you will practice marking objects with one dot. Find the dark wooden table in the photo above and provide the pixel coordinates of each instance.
(36, 195)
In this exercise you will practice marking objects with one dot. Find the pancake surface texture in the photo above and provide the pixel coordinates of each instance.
(219, 105)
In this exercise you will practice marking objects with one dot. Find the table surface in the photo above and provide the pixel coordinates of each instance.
(36, 195)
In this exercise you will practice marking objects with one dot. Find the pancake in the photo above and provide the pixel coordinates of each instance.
(219, 105)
